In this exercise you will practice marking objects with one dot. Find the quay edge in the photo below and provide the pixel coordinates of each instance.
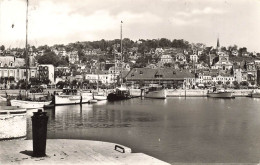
(67, 151)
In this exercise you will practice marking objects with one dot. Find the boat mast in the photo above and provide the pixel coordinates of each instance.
(121, 48)
(26, 45)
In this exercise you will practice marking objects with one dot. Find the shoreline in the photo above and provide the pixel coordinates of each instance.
(170, 92)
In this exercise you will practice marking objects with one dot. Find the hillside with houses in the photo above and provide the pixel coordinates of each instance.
(174, 64)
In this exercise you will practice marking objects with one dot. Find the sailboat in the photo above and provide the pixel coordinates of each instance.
(121, 93)
(26, 102)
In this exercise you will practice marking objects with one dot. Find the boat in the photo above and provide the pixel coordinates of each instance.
(99, 96)
(255, 94)
(25, 101)
(72, 96)
(155, 91)
(220, 93)
(29, 104)
(119, 94)
(135, 92)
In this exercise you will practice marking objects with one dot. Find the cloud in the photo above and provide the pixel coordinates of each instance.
(196, 12)
(182, 22)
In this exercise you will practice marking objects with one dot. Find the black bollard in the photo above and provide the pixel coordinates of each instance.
(39, 131)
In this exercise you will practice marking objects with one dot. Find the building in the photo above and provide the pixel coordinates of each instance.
(73, 57)
(194, 58)
(169, 78)
(13, 69)
(46, 72)
(223, 62)
(180, 57)
(103, 77)
(166, 58)
(224, 79)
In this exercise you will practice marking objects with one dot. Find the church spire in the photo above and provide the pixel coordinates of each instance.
(218, 43)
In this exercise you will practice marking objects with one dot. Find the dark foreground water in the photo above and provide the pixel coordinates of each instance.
(200, 130)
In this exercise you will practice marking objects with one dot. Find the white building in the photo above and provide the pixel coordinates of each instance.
(194, 58)
(166, 59)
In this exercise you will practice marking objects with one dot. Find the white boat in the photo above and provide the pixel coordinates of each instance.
(135, 92)
(220, 94)
(255, 94)
(156, 92)
(99, 96)
(72, 96)
(29, 104)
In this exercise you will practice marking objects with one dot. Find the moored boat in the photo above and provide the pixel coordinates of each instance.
(119, 94)
(99, 96)
(220, 94)
(72, 96)
(29, 104)
(156, 92)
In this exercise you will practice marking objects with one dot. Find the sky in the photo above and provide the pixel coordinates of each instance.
(66, 21)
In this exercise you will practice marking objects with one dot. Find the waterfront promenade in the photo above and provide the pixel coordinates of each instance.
(66, 152)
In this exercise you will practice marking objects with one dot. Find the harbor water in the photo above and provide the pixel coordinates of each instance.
(197, 130)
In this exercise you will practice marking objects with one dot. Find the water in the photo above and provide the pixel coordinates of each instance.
(198, 130)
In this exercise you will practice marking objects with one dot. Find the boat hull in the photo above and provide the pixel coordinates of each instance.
(29, 104)
(72, 99)
(115, 97)
(100, 97)
(221, 95)
(158, 94)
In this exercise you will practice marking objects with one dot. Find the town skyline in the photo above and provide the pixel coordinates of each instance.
(50, 22)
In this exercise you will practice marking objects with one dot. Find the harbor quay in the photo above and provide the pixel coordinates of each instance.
(67, 151)
(169, 92)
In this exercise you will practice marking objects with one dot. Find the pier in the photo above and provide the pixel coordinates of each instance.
(67, 151)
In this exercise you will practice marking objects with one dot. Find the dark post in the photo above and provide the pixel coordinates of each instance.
(39, 131)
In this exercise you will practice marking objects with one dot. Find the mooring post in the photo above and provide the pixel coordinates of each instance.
(39, 131)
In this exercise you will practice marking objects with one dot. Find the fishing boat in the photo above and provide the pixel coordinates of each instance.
(119, 94)
(72, 96)
(255, 94)
(155, 91)
(220, 93)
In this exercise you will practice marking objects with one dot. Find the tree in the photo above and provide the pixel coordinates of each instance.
(219, 82)
(2, 48)
(168, 65)
(164, 42)
(49, 58)
(204, 58)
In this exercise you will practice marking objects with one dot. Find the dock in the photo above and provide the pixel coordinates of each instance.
(68, 151)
